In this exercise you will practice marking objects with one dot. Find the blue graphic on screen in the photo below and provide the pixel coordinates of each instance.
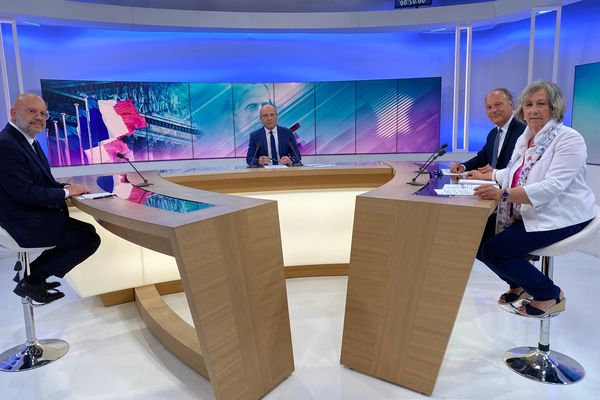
(171, 121)
(335, 117)
(586, 103)
(212, 105)
(376, 120)
(418, 107)
(296, 104)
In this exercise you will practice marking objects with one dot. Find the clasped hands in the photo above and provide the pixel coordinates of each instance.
(265, 160)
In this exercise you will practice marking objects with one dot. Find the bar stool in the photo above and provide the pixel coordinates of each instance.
(540, 363)
(34, 353)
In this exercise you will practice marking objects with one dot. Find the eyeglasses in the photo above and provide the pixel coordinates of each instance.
(32, 112)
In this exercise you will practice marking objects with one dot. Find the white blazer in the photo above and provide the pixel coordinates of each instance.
(556, 184)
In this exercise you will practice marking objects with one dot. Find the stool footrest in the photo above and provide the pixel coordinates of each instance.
(544, 366)
(32, 355)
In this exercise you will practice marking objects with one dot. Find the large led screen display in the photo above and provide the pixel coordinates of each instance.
(93, 121)
(586, 103)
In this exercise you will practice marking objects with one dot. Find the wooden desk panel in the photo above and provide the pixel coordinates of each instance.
(233, 278)
(410, 262)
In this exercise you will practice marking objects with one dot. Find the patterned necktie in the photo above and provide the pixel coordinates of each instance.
(495, 150)
(274, 155)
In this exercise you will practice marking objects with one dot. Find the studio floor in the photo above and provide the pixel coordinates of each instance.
(114, 356)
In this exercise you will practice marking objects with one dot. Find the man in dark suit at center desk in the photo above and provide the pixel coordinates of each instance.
(272, 144)
(499, 146)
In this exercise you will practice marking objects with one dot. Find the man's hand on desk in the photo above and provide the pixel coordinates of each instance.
(285, 160)
(264, 160)
(76, 189)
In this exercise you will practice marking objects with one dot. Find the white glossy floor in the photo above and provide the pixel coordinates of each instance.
(113, 355)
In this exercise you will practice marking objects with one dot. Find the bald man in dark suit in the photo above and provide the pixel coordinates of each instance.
(32, 203)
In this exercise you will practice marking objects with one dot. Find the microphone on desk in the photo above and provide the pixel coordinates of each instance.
(252, 165)
(441, 151)
(431, 156)
(297, 162)
(145, 181)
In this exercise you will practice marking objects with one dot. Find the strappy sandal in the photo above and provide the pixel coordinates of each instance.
(533, 312)
(512, 297)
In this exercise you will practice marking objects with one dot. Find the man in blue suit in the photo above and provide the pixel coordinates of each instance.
(499, 146)
(272, 144)
(32, 203)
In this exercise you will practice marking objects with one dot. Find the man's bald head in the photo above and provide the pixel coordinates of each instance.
(29, 113)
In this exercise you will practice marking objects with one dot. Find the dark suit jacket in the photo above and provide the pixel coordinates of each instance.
(32, 204)
(287, 145)
(484, 156)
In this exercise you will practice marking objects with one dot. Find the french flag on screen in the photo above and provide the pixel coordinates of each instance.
(120, 117)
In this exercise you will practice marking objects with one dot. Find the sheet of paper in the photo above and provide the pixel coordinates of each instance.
(459, 189)
(91, 196)
(278, 166)
(318, 165)
(456, 190)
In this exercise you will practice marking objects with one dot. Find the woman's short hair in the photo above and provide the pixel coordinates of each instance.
(556, 100)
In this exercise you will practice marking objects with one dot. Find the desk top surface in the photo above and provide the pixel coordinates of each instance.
(171, 186)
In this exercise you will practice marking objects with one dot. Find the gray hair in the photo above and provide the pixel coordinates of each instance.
(556, 100)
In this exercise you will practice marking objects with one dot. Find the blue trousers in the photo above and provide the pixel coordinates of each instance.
(506, 252)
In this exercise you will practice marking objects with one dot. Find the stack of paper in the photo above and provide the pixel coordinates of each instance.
(461, 189)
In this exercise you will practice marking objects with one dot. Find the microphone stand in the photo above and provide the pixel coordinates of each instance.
(431, 156)
(299, 163)
(413, 181)
(252, 165)
(145, 181)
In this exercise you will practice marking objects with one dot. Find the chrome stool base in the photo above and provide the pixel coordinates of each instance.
(32, 355)
(544, 366)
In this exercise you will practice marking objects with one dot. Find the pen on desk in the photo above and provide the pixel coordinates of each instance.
(103, 197)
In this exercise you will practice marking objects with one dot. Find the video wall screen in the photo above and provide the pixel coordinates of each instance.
(586, 103)
(91, 121)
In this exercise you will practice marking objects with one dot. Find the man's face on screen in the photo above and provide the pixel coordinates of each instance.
(247, 104)
(268, 116)
(498, 108)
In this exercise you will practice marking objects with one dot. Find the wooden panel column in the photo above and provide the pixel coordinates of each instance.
(410, 261)
(232, 272)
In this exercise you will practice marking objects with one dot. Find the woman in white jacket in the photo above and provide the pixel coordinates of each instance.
(543, 198)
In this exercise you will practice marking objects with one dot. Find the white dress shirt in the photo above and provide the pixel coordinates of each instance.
(556, 183)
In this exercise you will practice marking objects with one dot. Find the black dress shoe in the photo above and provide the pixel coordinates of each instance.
(37, 293)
